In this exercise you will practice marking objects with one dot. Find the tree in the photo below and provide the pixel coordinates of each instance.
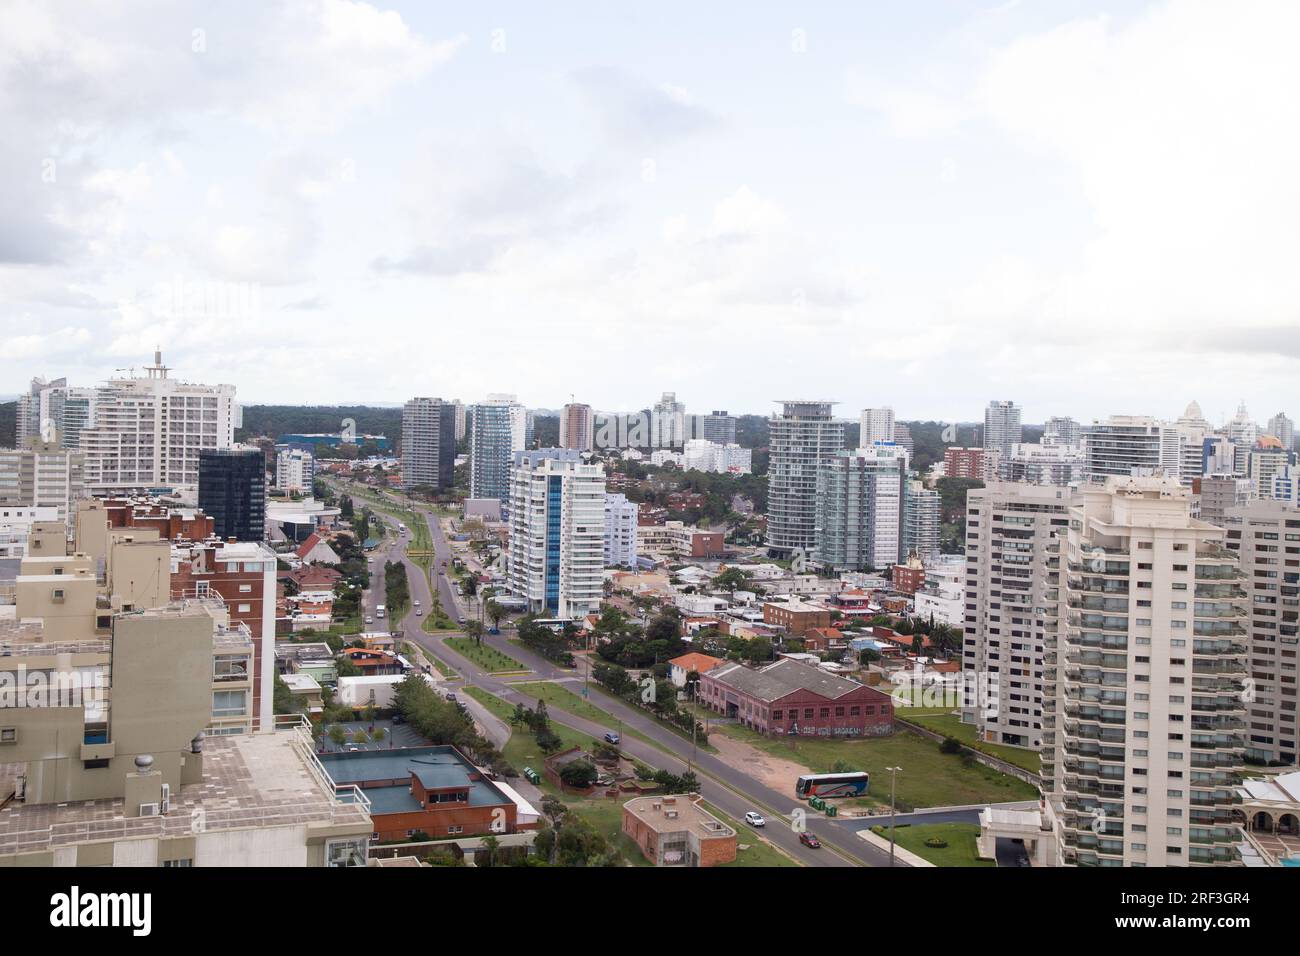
(338, 735)
(495, 613)
(282, 698)
(487, 855)
(474, 629)
(553, 809)
(579, 774)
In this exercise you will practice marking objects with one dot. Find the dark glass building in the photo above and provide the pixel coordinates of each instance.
(232, 489)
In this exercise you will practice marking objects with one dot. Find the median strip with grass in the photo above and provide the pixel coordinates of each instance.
(484, 656)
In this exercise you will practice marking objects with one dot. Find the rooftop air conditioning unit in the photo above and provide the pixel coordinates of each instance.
(148, 809)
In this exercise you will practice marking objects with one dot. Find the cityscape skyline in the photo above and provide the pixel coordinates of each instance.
(855, 184)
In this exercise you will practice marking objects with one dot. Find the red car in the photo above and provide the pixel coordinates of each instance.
(807, 839)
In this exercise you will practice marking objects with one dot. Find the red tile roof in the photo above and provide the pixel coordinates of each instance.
(697, 662)
(304, 549)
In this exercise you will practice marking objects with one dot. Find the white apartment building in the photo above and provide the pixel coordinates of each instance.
(875, 424)
(1046, 464)
(1002, 427)
(800, 438)
(665, 456)
(16, 524)
(54, 410)
(294, 470)
(1266, 460)
(943, 597)
(702, 454)
(1241, 430)
(148, 431)
(1266, 537)
(42, 475)
(1062, 430)
(1283, 429)
(1285, 486)
(620, 531)
(1143, 729)
(1126, 445)
(668, 422)
(557, 532)
(1012, 586)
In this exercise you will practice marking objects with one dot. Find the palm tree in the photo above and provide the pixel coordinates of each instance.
(495, 613)
(475, 630)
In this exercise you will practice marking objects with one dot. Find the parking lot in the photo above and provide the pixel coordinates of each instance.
(395, 736)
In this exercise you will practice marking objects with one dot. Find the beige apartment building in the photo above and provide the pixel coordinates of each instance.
(42, 475)
(1012, 591)
(1143, 738)
(123, 771)
(1266, 537)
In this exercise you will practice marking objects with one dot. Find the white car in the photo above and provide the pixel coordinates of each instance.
(755, 819)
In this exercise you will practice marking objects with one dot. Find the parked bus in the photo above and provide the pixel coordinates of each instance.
(832, 784)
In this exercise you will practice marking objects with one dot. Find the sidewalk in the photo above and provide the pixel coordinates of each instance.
(881, 843)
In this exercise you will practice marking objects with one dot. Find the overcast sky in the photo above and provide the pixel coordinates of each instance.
(1087, 208)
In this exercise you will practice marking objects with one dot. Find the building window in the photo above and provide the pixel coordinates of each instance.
(347, 852)
(229, 703)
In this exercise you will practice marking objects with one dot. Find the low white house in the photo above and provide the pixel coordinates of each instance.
(374, 691)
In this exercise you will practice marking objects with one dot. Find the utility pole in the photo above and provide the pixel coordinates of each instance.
(893, 779)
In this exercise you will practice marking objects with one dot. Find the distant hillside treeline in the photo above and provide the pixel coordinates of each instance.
(8, 424)
(277, 420)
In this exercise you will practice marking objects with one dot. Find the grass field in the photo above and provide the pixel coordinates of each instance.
(486, 657)
(927, 778)
(950, 725)
(960, 838)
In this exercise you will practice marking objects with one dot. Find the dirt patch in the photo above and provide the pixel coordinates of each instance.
(774, 772)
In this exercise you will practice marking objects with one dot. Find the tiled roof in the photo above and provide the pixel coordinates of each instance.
(782, 678)
(696, 662)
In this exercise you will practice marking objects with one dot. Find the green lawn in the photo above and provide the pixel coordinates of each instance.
(435, 619)
(486, 657)
(927, 778)
(960, 838)
(950, 725)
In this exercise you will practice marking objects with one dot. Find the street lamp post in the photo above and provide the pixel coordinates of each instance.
(893, 779)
